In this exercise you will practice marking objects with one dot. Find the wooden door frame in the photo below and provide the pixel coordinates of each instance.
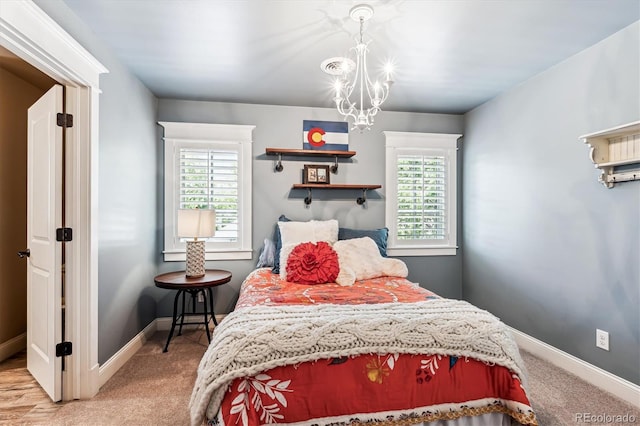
(31, 34)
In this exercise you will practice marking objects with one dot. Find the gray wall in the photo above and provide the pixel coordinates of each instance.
(281, 127)
(546, 247)
(127, 194)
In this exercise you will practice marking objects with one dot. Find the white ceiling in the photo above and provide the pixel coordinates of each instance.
(450, 55)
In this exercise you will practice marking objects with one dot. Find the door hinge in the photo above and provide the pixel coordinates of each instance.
(64, 120)
(64, 234)
(63, 349)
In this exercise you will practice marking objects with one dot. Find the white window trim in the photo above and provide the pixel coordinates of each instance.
(407, 142)
(203, 133)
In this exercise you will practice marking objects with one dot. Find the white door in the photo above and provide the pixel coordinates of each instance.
(44, 215)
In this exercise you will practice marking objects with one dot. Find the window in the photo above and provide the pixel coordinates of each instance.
(209, 166)
(421, 193)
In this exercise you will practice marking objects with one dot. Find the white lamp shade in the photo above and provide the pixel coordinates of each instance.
(196, 223)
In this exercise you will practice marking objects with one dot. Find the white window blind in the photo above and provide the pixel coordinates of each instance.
(422, 194)
(209, 180)
(209, 166)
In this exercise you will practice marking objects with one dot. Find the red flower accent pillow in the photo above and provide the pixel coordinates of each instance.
(312, 263)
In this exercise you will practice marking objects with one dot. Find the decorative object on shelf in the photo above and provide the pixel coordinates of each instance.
(196, 223)
(308, 153)
(313, 173)
(345, 85)
(325, 135)
(616, 152)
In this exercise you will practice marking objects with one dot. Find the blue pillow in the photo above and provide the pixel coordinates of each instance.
(278, 240)
(378, 235)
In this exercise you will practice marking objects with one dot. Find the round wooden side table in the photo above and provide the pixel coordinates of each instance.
(194, 286)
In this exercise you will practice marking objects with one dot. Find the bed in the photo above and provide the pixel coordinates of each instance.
(379, 350)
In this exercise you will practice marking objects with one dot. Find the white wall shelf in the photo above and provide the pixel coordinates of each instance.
(615, 147)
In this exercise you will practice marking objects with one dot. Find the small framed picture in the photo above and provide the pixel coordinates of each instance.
(313, 173)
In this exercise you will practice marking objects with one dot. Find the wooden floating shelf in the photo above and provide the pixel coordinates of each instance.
(309, 152)
(310, 186)
(334, 169)
(333, 186)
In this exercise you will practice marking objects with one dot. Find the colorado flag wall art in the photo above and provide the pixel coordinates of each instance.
(325, 135)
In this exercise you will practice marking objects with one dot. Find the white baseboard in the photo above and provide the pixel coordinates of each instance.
(623, 389)
(113, 364)
(13, 346)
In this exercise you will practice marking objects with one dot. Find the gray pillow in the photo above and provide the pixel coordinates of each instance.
(278, 241)
(267, 254)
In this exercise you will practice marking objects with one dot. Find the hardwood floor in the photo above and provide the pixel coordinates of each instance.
(22, 400)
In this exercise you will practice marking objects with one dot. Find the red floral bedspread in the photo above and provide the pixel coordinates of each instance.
(265, 288)
(381, 389)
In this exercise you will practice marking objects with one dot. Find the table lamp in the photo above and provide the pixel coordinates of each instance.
(196, 223)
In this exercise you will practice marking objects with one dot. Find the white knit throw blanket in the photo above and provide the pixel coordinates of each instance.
(258, 338)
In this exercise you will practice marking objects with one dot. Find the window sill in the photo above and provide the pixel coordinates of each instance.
(421, 251)
(180, 256)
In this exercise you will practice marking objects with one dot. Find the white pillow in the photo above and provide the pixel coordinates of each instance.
(294, 233)
(360, 259)
(312, 231)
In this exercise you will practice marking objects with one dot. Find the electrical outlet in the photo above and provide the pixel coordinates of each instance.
(602, 339)
(200, 298)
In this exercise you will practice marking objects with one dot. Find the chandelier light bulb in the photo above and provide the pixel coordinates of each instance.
(338, 86)
(388, 69)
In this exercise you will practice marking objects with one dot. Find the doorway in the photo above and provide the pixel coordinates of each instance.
(29, 33)
(20, 86)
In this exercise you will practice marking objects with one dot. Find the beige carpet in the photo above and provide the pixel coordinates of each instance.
(559, 398)
(153, 388)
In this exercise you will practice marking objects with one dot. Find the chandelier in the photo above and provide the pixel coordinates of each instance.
(352, 90)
